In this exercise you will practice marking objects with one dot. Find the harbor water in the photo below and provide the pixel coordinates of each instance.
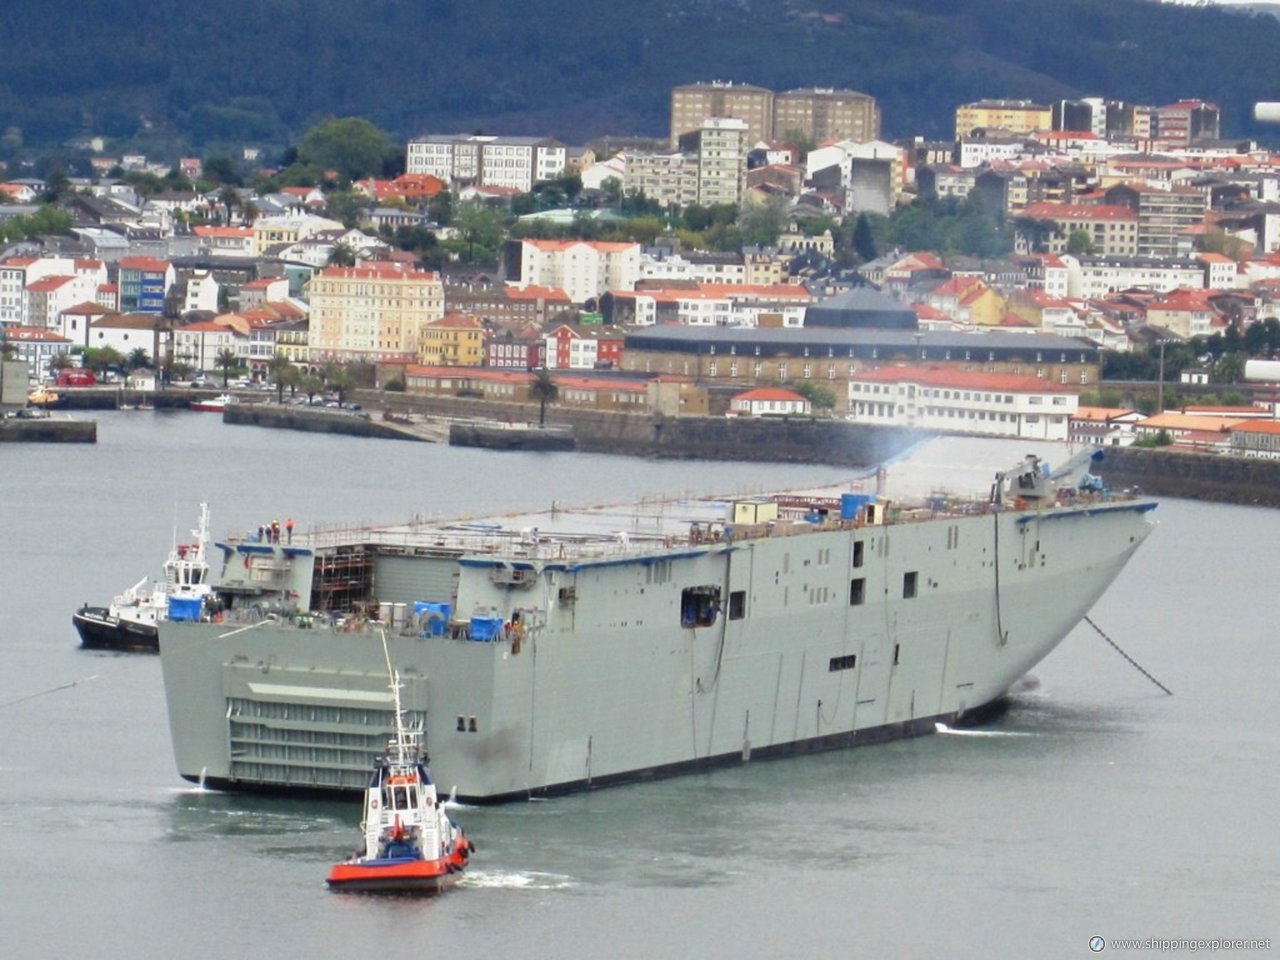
(1096, 806)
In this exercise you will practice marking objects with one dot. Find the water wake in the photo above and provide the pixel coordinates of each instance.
(522, 880)
(943, 728)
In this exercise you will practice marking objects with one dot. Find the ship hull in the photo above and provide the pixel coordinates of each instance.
(830, 639)
(392, 876)
(99, 630)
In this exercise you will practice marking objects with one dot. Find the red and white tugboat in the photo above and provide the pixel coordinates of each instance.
(410, 843)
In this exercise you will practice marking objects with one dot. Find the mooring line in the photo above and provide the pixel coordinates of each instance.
(1137, 666)
(40, 693)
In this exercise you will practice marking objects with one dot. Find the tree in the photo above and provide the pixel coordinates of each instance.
(100, 359)
(1079, 242)
(343, 255)
(1229, 368)
(762, 223)
(819, 395)
(480, 226)
(138, 357)
(347, 207)
(310, 384)
(440, 208)
(337, 377)
(278, 368)
(226, 361)
(544, 390)
(864, 244)
(352, 146)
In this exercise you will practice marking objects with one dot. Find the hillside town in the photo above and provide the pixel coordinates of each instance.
(1133, 231)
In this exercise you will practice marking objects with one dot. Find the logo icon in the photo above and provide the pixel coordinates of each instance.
(1097, 944)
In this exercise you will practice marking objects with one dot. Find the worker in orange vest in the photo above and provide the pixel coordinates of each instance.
(288, 529)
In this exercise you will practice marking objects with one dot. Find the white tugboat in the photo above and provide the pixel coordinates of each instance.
(130, 622)
(410, 843)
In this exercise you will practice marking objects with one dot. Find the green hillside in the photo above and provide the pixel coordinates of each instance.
(196, 76)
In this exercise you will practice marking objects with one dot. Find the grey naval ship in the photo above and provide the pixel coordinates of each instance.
(550, 652)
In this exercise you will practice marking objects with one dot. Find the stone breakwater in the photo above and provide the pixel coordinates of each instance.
(1195, 476)
(49, 430)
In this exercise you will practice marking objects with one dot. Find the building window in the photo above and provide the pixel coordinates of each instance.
(857, 591)
(909, 581)
(843, 663)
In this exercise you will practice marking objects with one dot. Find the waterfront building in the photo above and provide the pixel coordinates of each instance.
(769, 402)
(455, 340)
(962, 401)
(371, 311)
(761, 356)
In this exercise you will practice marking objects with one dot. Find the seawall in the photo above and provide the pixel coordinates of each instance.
(775, 440)
(51, 430)
(321, 420)
(1196, 476)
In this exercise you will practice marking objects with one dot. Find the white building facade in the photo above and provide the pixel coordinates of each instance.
(956, 401)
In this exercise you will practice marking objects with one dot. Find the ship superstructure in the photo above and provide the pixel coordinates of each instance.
(541, 653)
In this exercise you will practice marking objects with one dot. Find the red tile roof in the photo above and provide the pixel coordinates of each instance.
(769, 393)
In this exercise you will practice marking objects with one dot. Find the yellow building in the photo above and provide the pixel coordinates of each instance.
(1016, 116)
(371, 312)
(455, 340)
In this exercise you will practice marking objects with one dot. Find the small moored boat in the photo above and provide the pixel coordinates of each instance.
(213, 404)
(411, 845)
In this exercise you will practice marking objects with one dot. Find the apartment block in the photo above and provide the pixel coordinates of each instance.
(580, 268)
(488, 161)
(668, 178)
(367, 312)
(1181, 124)
(1164, 216)
(721, 150)
(693, 104)
(823, 114)
(1112, 230)
(1016, 116)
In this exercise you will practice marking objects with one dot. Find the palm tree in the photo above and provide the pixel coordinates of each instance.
(339, 378)
(544, 390)
(277, 369)
(310, 385)
(138, 357)
(226, 361)
(343, 255)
